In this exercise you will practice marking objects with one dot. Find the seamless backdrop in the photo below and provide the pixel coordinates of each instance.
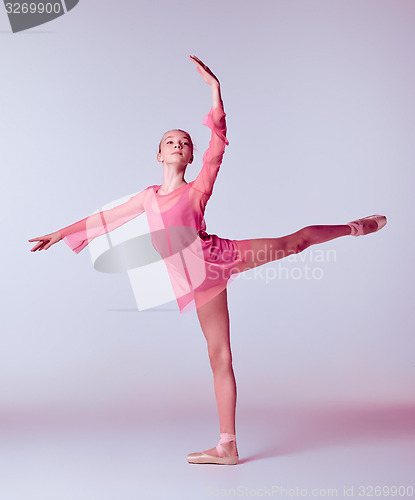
(319, 97)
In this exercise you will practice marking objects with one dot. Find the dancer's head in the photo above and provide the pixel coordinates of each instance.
(176, 141)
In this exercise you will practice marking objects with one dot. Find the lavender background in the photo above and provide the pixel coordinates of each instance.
(99, 401)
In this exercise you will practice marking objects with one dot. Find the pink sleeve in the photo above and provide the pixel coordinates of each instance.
(78, 235)
(212, 158)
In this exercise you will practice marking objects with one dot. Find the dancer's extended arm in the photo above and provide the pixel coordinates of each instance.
(78, 235)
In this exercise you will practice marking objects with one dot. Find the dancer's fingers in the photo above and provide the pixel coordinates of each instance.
(46, 241)
(204, 70)
(43, 241)
(199, 62)
(207, 75)
(36, 247)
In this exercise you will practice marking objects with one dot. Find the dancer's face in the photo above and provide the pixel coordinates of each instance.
(176, 147)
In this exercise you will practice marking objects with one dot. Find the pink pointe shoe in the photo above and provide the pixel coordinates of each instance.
(222, 459)
(358, 225)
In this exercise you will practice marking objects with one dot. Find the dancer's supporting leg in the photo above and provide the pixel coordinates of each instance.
(214, 321)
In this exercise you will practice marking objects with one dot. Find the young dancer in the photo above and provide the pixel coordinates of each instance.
(199, 264)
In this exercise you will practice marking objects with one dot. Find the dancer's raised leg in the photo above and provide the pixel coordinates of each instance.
(263, 250)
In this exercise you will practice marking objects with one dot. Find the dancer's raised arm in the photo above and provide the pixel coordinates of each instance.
(215, 120)
(210, 79)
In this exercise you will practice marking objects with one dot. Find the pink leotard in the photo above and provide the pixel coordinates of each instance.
(199, 264)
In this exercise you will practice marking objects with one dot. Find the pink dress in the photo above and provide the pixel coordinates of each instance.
(199, 264)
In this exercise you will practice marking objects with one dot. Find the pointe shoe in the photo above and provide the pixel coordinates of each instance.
(357, 225)
(222, 459)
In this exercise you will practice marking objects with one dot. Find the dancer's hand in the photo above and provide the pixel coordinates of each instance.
(205, 72)
(46, 241)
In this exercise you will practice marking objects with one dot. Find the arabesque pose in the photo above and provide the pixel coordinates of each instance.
(199, 264)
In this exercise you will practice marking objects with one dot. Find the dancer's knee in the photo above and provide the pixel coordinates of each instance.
(220, 358)
(298, 242)
(303, 240)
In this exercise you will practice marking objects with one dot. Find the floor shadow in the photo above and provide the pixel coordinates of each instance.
(144, 311)
(294, 431)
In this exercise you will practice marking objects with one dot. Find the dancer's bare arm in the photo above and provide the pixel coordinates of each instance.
(210, 79)
(215, 120)
(85, 230)
(46, 241)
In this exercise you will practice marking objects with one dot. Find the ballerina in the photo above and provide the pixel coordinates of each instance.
(200, 265)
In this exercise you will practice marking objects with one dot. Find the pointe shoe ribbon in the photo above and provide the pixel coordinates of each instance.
(357, 225)
(224, 458)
